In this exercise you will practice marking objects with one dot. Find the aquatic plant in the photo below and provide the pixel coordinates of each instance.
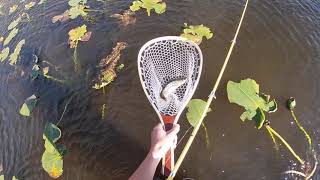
(75, 35)
(126, 18)
(246, 94)
(291, 104)
(10, 36)
(1, 10)
(4, 54)
(42, 2)
(52, 158)
(108, 66)
(158, 6)
(2, 177)
(28, 105)
(14, 56)
(196, 33)
(14, 23)
(29, 5)
(13, 8)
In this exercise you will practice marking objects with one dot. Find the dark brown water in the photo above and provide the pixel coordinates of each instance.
(279, 46)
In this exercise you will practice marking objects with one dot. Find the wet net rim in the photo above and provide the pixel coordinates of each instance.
(165, 38)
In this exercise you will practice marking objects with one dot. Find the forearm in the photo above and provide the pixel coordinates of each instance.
(146, 169)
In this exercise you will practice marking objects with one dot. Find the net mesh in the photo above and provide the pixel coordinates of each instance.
(163, 62)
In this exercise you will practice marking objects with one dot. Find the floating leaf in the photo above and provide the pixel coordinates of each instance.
(52, 132)
(259, 118)
(14, 23)
(195, 109)
(157, 5)
(1, 11)
(29, 5)
(76, 34)
(61, 17)
(76, 11)
(1, 39)
(52, 163)
(28, 105)
(41, 2)
(13, 8)
(11, 35)
(86, 36)
(2, 177)
(14, 56)
(246, 94)
(74, 2)
(4, 54)
(196, 33)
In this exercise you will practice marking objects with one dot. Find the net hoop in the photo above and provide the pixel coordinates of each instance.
(186, 101)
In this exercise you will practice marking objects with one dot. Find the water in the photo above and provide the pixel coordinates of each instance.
(279, 46)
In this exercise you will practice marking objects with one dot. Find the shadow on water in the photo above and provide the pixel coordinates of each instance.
(279, 46)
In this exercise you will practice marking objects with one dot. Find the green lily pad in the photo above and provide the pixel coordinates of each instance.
(76, 34)
(158, 6)
(4, 54)
(52, 163)
(14, 56)
(259, 118)
(196, 33)
(28, 105)
(13, 9)
(195, 109)
(74, 2)
(29, 5)
(52, 132)
(76, 11)
(14, 23)
(246, 94)
(11, 35)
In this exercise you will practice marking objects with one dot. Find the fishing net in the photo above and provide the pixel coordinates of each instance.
(164, 60)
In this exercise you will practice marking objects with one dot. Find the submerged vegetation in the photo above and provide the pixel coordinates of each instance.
(108, 66)
(28, 106)
(75, 35)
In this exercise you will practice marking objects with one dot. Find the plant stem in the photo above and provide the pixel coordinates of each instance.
(210, 98)
(207, 136)
(285, 143)
(75, 58)
(54, 79)
(301, 128)
(273, 139)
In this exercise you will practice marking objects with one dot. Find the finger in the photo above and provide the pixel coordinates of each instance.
(170, 135)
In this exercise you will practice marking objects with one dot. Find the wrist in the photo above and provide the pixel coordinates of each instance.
(152, 155)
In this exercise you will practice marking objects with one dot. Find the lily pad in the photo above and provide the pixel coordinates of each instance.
(41, 2)
(28, 105)
(52, 132)
(196, 33)
(246, 94)
(14, 56)
(78, 34)
(11, 35)
(2, 177)
(195, 109)
(74, 2)
(14, 23)
(29, 5)
(52, 163)
(4, 54)
(13, 9)
(76, 11)
(158, 6)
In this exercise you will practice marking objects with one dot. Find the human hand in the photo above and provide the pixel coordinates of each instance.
(162, 141)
